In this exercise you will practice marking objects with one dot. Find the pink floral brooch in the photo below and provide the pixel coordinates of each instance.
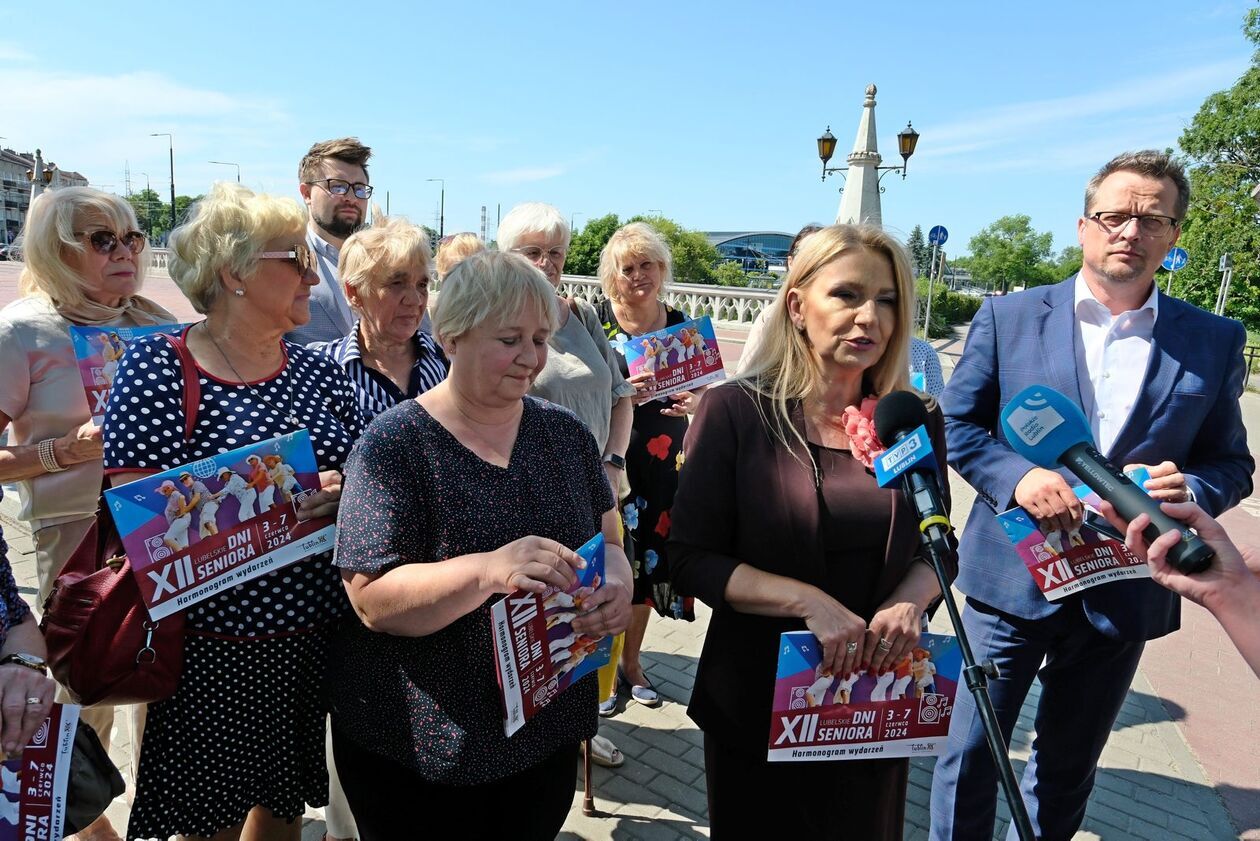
(859, 425)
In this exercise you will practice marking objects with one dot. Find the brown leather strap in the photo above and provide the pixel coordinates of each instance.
(192, 383)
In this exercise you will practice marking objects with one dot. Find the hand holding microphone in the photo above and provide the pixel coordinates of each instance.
(1051, 431)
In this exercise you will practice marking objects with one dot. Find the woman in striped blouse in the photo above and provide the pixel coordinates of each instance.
(385, 270)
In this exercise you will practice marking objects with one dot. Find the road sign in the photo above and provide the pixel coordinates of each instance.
(938, 235)
(1176, 260)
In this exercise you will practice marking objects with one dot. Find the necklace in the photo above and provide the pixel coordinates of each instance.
(287, 415)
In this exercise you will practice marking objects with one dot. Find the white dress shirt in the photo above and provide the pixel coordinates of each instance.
(1112, 356)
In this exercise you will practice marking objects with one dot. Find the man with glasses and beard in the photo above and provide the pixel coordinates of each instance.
(334, 185)
(1159, 380)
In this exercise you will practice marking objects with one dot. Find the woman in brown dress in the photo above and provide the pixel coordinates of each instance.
(778, 525)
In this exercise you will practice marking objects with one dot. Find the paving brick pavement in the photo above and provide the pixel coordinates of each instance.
(1183, 749)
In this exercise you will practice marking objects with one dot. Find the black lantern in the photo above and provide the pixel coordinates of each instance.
(907, 139)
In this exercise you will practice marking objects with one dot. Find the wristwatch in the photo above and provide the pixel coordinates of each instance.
(30, 661)
(615, 460)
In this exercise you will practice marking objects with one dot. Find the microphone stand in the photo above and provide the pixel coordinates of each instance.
(977, 676)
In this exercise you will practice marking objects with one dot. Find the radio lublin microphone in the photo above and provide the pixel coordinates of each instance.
(1051, 431)
(901, 424)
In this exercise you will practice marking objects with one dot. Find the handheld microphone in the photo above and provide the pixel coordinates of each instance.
(1051, 431)
(900, 423)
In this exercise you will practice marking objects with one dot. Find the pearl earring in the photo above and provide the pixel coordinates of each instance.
(240, 293)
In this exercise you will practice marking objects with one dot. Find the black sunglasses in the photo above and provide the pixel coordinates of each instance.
(104, 242)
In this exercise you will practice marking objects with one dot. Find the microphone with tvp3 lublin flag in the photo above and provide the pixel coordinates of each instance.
(1051, 431)
(901, 424)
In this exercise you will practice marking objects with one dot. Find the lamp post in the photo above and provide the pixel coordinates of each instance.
(571, 215)
(860, 195)
(441, 208)
(148, 205)
(41, 175)
(229, 163)
(171, 139)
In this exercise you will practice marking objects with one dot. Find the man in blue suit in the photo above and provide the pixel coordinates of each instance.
(1159, 380)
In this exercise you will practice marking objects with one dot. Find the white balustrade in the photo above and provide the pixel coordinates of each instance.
(726, 305)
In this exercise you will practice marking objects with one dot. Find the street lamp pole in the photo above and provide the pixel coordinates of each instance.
(571, 215)
(229, 163)
(171, 139)
(441, 209)
(148, 205)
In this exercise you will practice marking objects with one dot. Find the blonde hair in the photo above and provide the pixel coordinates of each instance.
(369, 256)
(491, 286)
(226, 231)
(638, 239)
(52, 224)
(786, 369)
(532, 218)
(455, 248)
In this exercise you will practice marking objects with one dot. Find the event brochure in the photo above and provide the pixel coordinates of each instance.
(538, 653)
(33, 806)
(903, 711)
(683, 357)
(1068, 561)
(194, 530)
(98, 350)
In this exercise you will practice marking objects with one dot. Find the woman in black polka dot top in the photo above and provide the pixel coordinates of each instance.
(243, 735)
(468, 492)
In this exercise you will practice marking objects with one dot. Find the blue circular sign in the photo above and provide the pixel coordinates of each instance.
(1176, 260)
(938, 235)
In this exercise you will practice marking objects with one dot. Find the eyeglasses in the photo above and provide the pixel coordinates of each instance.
(1152, 226)
(104, 242)
(533, 254)
(338, 187)
(301, 255)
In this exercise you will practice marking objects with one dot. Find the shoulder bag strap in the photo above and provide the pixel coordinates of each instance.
(192, 384)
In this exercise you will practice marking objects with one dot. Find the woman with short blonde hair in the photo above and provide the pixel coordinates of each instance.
(385, 271)
(240, 745)
(455, 248)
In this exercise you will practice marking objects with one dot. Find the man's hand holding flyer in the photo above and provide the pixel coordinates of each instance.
(1068, 561)
(539, 654)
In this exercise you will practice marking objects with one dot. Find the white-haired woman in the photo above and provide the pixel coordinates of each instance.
(780, 526)
(581, 374)
(441, 517)
(85, 262)
(240, 745)
(633, 270)
(385, 270)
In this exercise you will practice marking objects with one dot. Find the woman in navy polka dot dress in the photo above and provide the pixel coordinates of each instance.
(242, 739)
(453, 499)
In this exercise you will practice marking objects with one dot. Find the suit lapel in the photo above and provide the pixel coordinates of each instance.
(1169, 345)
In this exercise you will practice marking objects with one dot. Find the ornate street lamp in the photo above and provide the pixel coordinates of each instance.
(907, 141)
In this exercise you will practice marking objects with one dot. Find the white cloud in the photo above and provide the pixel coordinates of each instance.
(13, 54)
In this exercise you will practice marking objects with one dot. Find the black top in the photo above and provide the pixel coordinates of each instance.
(415, 494)
(144, 431)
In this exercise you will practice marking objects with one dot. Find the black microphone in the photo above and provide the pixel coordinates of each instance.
(897, 416)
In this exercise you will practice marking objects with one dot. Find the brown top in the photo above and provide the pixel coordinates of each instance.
(745, 498)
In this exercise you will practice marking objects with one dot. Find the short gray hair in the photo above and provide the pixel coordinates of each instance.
(1149, 163)
(532, 218)
(491, 286)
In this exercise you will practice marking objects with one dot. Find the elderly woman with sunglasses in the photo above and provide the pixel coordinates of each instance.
(239, 747)
(85, 261)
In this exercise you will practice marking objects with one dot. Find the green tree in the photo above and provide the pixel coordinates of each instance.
(585, 247)
(1222, 143)
(920, 254)
(1009, 253)
(694, 256)
(154, 215)
(1068, 262)
(730, 273)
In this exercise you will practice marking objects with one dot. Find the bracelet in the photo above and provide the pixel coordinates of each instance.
(48, 456)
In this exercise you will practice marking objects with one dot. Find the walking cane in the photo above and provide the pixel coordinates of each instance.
(588, 798)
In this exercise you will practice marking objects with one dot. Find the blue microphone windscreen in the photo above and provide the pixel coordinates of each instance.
(1041, 424)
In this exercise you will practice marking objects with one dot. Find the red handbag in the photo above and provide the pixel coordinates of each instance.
(102, 645)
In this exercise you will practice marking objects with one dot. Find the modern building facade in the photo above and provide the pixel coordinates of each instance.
(755, 251)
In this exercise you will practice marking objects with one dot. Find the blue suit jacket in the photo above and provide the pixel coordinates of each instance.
(1187, 412)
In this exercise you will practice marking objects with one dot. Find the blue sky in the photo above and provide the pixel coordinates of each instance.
(705, 112)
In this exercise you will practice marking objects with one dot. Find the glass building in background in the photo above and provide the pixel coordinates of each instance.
(755, 251)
